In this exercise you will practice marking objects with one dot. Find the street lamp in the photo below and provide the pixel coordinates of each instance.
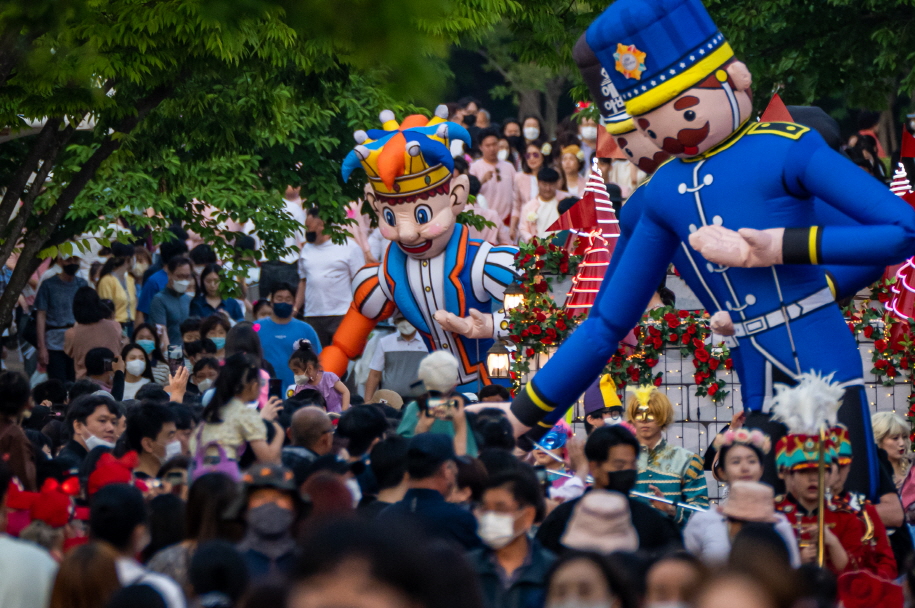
(513, 298)
(498, 360)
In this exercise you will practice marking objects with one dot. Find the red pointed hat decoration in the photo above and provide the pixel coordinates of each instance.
(776, 111)
(112, 470)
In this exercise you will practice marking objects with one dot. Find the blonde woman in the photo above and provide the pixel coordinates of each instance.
(891, 432)
(665, 470)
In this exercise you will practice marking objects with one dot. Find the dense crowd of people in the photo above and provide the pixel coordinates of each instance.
(171, 445)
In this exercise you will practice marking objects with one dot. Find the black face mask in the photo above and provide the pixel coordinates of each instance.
(311, 236)
(622, 481)
(71, 269)
(470, 120)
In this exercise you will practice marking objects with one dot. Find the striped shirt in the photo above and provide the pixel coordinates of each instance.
(677, 473)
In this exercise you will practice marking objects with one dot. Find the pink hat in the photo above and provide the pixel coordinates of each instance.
(601, 522)
(750, 501)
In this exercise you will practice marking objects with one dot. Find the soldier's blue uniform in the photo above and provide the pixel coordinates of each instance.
(766, 175)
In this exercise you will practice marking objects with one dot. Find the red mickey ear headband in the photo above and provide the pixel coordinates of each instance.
(111, 470)
(17, 498)
(54, 505)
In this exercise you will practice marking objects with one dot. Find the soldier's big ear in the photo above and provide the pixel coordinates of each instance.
(740, 75)
(460, 189)
(372, 200)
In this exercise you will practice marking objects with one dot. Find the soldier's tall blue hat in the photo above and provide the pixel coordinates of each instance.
(653, 50)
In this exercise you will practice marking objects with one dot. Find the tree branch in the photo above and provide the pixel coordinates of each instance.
(19, 180)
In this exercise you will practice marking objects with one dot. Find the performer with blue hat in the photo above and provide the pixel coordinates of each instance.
(688, 94)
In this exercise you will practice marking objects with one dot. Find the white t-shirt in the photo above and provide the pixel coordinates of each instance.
(395, 343)
(131, 388)
(295, 240)
(28, 574)
(328, 270)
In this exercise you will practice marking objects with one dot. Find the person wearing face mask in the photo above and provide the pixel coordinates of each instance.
(151, 434)
(587, 131)
(512, 567)
(215, 328)
(137, 370)
(602, 405)
(208, 300)
(326, 273)
(271, 508)
(586, 580)
(612, 453)
(740, 456)
(172, 305)
(54, 315)
(92, 421)
(543, 210)
(118, 516)
(497, 177)
(532, 129)
(396, 361)
(116, 284)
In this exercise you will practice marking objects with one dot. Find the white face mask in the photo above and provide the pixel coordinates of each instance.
(198, 270)
(136, 367)
(531, 133)
(205, 385)
(93, 442)
(405, 328)
(496, 530)
(171, 450)
(611, 420)
(353, 486)
(589, 133)
(502, 154)
(181, 286)
(301, 379)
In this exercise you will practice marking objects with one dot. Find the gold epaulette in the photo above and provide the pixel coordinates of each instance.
(783, 129)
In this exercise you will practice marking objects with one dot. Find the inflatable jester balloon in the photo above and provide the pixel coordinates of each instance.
(447, 285)
(737, 205)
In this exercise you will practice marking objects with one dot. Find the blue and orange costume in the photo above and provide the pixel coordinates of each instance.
(764, 175)
(410, 167)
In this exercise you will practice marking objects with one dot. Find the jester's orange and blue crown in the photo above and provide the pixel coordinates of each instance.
(809, 410)
(840, 437)
(407, 161)
(653, 50)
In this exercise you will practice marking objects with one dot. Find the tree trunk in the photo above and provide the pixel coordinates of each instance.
(529, 105)
(36, 239)
(554, 88)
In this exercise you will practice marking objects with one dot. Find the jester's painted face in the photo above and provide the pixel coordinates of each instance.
(701, 117)
(421, 228)
(640, 150)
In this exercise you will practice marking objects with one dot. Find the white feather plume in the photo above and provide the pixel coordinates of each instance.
(809, 406)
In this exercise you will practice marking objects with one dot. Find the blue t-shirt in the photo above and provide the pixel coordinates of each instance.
(154, 285)
(277, 341)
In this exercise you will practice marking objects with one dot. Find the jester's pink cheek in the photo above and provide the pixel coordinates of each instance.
(388, 232)
(433, 230)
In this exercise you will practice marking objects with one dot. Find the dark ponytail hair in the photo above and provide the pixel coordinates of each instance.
(304, 354)
(236, 373)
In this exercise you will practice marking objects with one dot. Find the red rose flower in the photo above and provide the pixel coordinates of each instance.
(868, 331)
(564, 267)
(561, 325)
(541, 250)
(683, 314)
(547, 340)
(657, 342)
(728, 363)
(699, 378)
(541, 287)
(675, 323)
(712, 389)
(651, 362)
(696, 363)
(534, 330)
(530, 352)
(539, 264)
(686, 338)
(658, 380)
(673, 337)
(698, 343)
(714, 363)
(891, 371)
(541, 317)
(702, 355)
(515, 338)
(691, 329)
(551, 332)
(880, 364)
(883, 297)
(653, 331)
(904, 363)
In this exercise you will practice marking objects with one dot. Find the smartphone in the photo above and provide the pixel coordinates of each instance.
(107, 363)
(175, 358)
(275, 388)
(442, 408)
